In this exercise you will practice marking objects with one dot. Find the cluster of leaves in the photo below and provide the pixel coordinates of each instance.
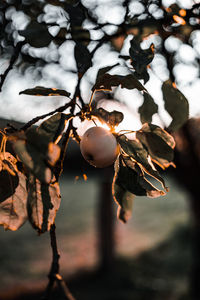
(152, 144)
(135, 164)
(28, 168)
(31, 170)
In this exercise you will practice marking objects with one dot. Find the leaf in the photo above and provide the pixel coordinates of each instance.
(159, 144)
(140, 59)
(130, 177)
(36, 34)
(83, 57)
(33, 159)
(112, 118)
(147, 109)
(42, 91)
(43, 203)
(125, 201)
(13, 197)
(107, 81)
(104, 70)
(8, 162)
(176, 105)
(53, 127)
(38, 149)
(135, 150)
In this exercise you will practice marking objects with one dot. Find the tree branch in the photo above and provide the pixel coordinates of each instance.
(36, 119)
(11, 64)
(54, 275)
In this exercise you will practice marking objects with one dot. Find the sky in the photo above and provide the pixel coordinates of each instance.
(23, 107)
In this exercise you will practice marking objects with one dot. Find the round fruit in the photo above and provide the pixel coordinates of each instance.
(99, 147)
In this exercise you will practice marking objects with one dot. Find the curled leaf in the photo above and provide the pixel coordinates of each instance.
(136, 151)
(130, 177)
(125, 201)
(13, 197)
(159, 143)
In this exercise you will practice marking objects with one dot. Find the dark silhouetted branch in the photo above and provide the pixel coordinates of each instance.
(54, 276)
(36, 119)
(11, 64)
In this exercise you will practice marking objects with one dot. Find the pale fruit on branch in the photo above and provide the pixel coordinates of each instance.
(99, 147)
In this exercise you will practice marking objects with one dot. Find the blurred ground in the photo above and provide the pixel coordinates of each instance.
(153, 249)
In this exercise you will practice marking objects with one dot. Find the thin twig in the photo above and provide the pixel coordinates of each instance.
(11, 64)
(54, 276)
(36, 119)
(59, 164)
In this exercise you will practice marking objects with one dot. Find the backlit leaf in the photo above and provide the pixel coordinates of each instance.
(176, 105)
(42, 91)
(125, 201)
(53, 127)
(112, 118)
(107, 81)
(33, 160)
(129, 176)
(147, 109)
(159, 144)
(135, 150)
(43, 203)
(13, 198)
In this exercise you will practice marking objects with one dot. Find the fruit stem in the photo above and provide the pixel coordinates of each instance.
(91, 98)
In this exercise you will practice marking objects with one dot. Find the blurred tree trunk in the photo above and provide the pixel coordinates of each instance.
(105, 218)
(187, 160)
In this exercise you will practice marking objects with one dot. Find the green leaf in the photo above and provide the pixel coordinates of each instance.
(176, 105)
(13, 196)
(159, 144)
(42, 91)
(107, 81)
(135, 150)
(43, 203)
(124, 200)
(36, 34)
(147, 109)
(140, 59)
